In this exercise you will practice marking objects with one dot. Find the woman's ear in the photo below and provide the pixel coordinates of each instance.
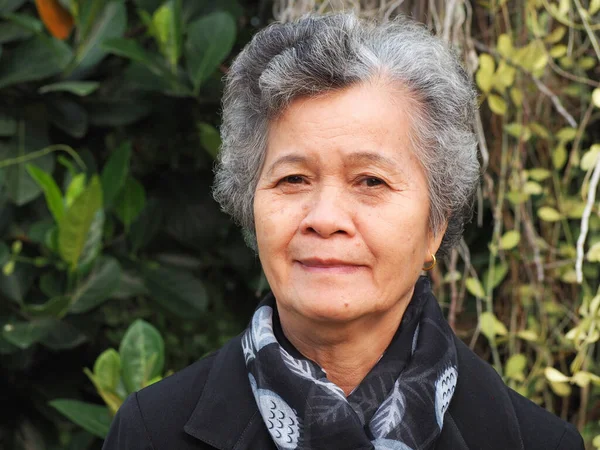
(435, 239)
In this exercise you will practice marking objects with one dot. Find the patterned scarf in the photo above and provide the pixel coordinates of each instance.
(400, 404)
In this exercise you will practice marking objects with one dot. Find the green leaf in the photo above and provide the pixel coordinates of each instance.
(177, 291)
(142, 355)
(556, 35)
(210, 139)
(131, 202)
(25, 334)
(92, 418)
(75, 188)
(485, 73)
(54, 199)
(115, 172)
(79, 88)
(147, 225)
(10, 31)
(588, 160)
(559, 156)
(497, 104)
(75, 226)
(539, 174)
(55, 307)
(93, 243)
(500, 271)
(16, 286)
(69, 116)
(474, 287)
(101, 25)
(35, 59)
(25, 21)
(596, 97)
(504, 77)
(510, 240)
(20, 187)
(490, 326)
(209, 41)
(515, 367)
(168, 30)
(548, 214)
(107, 370)
(554, 375)
(8, 125)
(8, 6)
(593, 254)
(558, 51)
(98, 286)
(505, 46)
(128, 48)
(63, 336)
(566, 134)
(4, 253)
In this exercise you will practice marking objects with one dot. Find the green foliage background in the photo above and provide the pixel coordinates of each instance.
(118, 267)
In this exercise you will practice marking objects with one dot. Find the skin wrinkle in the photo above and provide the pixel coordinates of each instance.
(343, 321)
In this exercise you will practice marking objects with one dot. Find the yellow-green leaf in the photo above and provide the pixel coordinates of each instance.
(561, 389)
(593, 254)
(505, 46)
(539, 174)
(474, 287)
(74, 227)
(516, 95)
(556, 35)
(107, 370)
(510, 240)
(539, 130)
(566, 134)
(518, 131)
(555, 375)
(586, 62)
(504, 77)
(594, 7)
(490, 326)
(558, 51)
(596, 97)
(497, 104)
(548, 214)
(484, 75)
(559, 156)
(528, 335)
(588, 160)
(515, 367)
(532, 188)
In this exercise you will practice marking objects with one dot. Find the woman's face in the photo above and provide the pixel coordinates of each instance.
(341, 207)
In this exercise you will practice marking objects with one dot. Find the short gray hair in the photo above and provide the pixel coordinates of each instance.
(318, 54)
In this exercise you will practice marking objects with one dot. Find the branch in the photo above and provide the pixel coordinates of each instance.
(585, 218)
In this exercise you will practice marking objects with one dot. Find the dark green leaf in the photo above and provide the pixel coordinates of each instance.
(130, 49)
(8, 125)
(8, 6)
(177, 291)
(116, 112)
(115, 172)
(209, 41)
(16, 286)
(75, 226)
(167, 30)
(63, 336)
(54, 199)
(4, 253)
(210, 139)
(147, 225)
(69, 116)
(10, 31)
(131, 286)
(131, 201)
(35, 59)
(25, 21)
(93, 418)
(20, 187)
(102, 23)
(25, 334)
(98, 286)
(148, 5)
(55, 307)
(79, 88)
(142, 355)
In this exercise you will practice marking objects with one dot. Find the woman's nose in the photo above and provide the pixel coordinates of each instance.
(328, 213)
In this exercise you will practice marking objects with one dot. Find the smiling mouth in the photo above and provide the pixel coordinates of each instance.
(328, 266)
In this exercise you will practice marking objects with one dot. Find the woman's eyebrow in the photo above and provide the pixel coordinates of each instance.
(292, 158)
(375, 158)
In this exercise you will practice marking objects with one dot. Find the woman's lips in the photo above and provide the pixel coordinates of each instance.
(328, 266)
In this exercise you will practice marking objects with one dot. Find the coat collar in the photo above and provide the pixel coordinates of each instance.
(481, 414)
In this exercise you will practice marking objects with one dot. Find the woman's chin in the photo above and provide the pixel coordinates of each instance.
(335, 307)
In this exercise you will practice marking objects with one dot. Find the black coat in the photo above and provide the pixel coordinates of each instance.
(209, 405)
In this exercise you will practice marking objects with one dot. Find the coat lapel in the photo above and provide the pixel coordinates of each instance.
(226, 416)
(481, 414)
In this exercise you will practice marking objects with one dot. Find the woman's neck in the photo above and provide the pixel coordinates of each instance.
(348, 351)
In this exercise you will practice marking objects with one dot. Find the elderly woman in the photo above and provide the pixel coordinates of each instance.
(349, 159)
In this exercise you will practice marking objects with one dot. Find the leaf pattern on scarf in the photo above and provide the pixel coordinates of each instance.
(388, 444)
(281, 420)
(444, 389)
(305, 369)
(262, 327)
(389, 414)
(415, 340)
(247, 347)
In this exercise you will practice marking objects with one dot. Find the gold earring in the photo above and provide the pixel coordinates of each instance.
(432, 265)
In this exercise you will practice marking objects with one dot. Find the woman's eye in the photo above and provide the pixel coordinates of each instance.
(292, 179)
(372, 181)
